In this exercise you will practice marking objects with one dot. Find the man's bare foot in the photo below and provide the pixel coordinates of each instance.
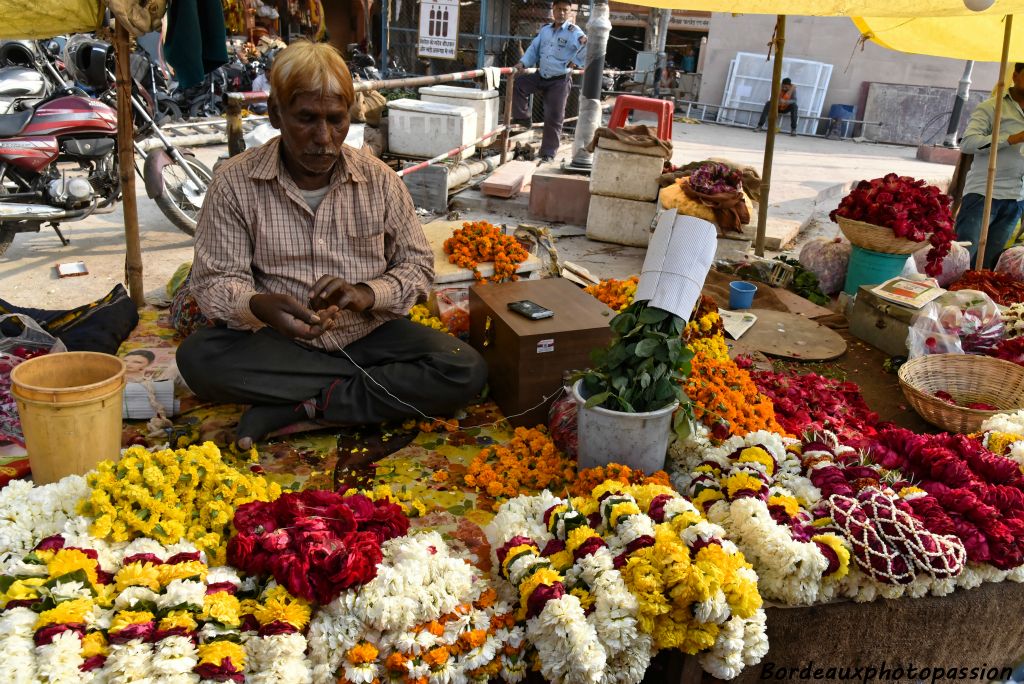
(259, 421)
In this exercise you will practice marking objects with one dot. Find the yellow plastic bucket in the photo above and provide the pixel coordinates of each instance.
(70, 408)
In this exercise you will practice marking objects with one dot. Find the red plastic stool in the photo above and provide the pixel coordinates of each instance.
(625, 104)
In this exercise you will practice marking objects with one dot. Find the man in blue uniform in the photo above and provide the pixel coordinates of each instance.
(556, 47)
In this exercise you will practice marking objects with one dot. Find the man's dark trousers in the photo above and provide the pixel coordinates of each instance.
(435, 372)
(556, 92)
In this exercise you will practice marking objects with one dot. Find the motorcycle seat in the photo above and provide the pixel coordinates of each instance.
(13, 124)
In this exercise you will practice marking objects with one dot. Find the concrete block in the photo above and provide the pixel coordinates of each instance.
(625, 175)
(937, 154)
(559, 197)
(621, 221)
(619, 146)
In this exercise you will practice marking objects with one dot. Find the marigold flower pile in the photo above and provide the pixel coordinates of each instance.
(421, 314)
(481, 241)
(589, 478)
(169, 495)
(617, 294)
(530, 462)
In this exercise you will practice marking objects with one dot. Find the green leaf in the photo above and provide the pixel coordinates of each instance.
(659, 371)
(652, 315)
(623, 322)
(646, 348)
(645, 380)
(597, 399)
(620, 382)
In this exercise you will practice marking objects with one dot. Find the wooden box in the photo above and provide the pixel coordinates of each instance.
(526, 359)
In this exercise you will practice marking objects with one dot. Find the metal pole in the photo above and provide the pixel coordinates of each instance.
(450, 153)
(986, 215)
(599, 27)
(385, 20)
(233, 112)
(510, 88)
(480, 52)
(126, 167)
(664, 19)
(769, 143)
(963, 91)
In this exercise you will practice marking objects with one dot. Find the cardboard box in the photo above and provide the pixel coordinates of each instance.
(526, 359)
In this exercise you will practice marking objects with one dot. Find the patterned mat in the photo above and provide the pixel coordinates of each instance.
(404, 458)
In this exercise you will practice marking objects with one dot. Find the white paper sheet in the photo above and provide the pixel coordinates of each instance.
(678, 259)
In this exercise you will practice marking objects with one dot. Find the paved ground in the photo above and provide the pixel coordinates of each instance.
(805, 170)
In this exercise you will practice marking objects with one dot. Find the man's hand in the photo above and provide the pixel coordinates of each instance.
(519, 67)
(1016, 138)
(287, 316)
(335, 292)
(583, 40)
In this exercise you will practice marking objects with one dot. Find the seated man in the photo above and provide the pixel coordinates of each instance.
(308, 255)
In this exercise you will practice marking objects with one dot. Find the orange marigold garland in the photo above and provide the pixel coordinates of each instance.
(726, 399)
(527, 464)
(617, 294)
(480, 241)
(589, 478)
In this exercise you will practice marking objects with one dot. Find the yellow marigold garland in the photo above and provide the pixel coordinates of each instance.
(589, 478)
(481, 241)
(168, 495)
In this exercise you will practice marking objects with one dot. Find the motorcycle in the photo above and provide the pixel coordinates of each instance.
(24, 82)
(59, 162)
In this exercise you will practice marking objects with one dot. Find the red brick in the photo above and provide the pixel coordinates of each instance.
(560, 197)
(508, 180)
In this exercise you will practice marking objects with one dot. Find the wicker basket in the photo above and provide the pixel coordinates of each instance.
(967, 378)
(876, 238)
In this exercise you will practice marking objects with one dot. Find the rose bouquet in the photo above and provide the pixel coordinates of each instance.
(911, 208)
(315, 543)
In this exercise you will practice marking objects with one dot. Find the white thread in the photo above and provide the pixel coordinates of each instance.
(450, 426)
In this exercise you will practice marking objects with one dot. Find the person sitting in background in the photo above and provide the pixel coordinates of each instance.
(308, 256)
(1009, 182)
(787, 103)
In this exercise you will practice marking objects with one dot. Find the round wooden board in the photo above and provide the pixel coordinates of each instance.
(761, 362)
(792, 336)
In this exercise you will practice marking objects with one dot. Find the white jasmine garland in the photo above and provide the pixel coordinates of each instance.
(29, 514)
(132, 597)
(17, 647)
(221, 574)
(128, 663)
(363, 673)
(521, 516)
(182, 594)
(174, 658)
(76, 534)
(1012, 423)
(278, 658)
(569, 649)
(66, 591)
(725, 659)
(58, 661)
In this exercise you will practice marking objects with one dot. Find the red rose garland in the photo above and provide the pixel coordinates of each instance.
(315, 543)
(981, 494)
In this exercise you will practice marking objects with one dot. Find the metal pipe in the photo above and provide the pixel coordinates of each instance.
(510, 86)
(599, 26)
(385, 19)
(465, 170)
(197, 140)
(480, 54)
(450, 153)
(963, 92)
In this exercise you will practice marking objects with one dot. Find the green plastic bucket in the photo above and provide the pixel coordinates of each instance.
(871, 268)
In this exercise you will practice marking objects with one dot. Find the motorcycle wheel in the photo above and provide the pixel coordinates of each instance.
(6, 238)
(177, 199)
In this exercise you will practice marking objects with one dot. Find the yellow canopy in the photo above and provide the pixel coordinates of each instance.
(977, 37)
(24, 19)
(840, 8)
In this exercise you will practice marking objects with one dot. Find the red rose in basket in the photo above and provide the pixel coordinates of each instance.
(910, 208)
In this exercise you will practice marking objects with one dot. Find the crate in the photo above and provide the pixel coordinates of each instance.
(483, 102)
(526, 359)
(429, 129)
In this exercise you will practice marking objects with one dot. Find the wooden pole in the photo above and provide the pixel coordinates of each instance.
(769, 142)
(510, 87)
(997, 118)
(126, 167)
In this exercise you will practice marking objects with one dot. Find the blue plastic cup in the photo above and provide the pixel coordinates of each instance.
(741, 294)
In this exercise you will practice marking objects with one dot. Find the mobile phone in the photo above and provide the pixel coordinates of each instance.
(531, 310)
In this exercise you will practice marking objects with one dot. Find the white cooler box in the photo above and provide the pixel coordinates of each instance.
(427, 129)
(484, 102)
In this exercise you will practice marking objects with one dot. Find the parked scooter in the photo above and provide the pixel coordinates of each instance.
(59, 161)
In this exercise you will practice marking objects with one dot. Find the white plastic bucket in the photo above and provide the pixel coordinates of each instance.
(637, 440)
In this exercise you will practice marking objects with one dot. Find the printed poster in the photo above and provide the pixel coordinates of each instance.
(439, 29)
